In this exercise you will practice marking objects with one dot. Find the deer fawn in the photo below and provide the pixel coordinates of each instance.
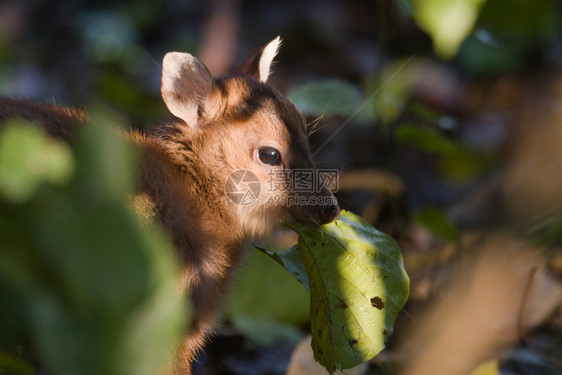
(234, 132)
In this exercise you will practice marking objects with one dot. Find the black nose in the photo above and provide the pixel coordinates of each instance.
(329, 213)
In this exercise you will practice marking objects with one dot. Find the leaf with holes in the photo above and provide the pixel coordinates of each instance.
(357, 283)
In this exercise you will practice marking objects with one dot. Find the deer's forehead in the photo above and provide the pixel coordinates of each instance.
(245, 101)
(231, 92)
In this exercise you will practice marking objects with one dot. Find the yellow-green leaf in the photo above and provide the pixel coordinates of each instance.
(357, 284)
(29, 158)
(448, 22)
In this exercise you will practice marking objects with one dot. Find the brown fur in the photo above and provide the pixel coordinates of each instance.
(185, 168)
(60, 122)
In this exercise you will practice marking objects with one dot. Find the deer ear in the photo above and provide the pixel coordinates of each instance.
(186, 86)
(259, 66)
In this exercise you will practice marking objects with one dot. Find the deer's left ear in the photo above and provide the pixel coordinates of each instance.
(259, 66)
(186, 87)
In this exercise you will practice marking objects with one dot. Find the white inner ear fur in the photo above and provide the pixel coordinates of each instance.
(266, 59)
(186, 86)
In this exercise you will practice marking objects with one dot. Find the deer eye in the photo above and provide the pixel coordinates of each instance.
(269, 156)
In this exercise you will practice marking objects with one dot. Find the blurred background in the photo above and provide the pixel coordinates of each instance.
(443, 116)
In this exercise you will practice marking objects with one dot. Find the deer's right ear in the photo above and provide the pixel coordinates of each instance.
(259, 66)
(186, 86)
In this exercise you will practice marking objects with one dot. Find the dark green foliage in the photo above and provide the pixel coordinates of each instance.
(438, 224)
(267, 303)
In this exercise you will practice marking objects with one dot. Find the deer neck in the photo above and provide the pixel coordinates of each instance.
(187, 202)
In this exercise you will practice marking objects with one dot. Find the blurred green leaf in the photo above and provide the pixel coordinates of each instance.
(28, 159)
(424, 139)
(357, 284)
(549, 232)
(329, 98)
(107, 35)
(406, 6)
(291, 259)
(121, 91)
(448, 22)
(438, 224)
(464, 163)
(391, 90)
(506, 32)
(480, 58)
(267, 331)
(424, 112)
(456, 161)
(14, 366)
(104, 154)
(268, 296)
(98, 286)
(524, 20)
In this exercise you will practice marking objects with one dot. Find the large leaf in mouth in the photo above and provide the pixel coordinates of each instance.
(357, 283)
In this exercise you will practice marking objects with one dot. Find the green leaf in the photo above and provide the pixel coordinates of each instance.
(15, 366)
(391, 90)
(292, 260)
(328, 98)
(526, 21)
(266, 331)
(257, 304)
(480, 58)
(406, 6)
(104, 154)
(436, 221)
(457, 162)
(357, 283)
(448, 22)
(28, 158)
(425, 139)
(99, 287)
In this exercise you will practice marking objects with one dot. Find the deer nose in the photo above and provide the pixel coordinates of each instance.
(329, 213)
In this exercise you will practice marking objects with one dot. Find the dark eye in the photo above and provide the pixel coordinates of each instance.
(269, 156)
